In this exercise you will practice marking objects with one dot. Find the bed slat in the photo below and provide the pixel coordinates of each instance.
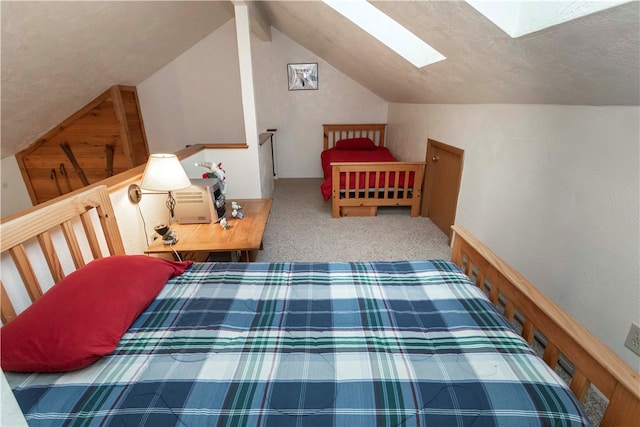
(551, 354)
(7, 311)
(509, 310)
(377, 187)
(109, 224)
(387, 177)
(51, 256)
(494, 294)
(580, 385)
(480, 280)
(72, 244)
(21, 260)
(92, 238)
(528, 331)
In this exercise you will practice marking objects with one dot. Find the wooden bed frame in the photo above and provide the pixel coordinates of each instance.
(593, 362)
(348, 201)
(58, 215)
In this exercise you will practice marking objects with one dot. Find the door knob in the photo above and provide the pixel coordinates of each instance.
(435, 158)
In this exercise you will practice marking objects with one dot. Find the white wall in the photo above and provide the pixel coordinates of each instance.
(14, 193)
(299, 115)
(555, 191)
(196, 99)
(193, 81)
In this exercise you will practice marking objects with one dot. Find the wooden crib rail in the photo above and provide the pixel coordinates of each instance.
(38, 223)
(593, 362)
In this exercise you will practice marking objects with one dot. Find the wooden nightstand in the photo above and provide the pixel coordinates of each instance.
(243, 236)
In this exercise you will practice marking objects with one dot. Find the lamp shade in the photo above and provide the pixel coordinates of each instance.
(164, 173)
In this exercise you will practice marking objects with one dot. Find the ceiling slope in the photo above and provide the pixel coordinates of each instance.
(594, 60)
(57, 55)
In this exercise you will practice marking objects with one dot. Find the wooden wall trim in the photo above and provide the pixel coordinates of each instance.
(223, 146)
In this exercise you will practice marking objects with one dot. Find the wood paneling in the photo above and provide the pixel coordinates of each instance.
(105, 137)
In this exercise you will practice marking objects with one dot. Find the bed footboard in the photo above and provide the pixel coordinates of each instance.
(593, 362)
(353, 194)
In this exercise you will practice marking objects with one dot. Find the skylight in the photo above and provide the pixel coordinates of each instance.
(388, 31)
(518, 18)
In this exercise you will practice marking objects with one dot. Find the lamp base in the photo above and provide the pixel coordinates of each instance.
(167, 234)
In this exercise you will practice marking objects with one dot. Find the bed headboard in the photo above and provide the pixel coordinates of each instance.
(71, 216)
(335, 132)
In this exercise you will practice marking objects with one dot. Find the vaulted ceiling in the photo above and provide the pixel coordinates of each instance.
(57, 56)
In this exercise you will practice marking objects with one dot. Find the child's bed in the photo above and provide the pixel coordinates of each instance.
(360, 172)
(380, 343)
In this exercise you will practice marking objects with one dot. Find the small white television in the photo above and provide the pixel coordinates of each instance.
(195, 205)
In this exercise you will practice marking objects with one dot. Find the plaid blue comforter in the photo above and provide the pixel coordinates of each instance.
(310, 344)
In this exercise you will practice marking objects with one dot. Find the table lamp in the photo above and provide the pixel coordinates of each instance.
(163, 174)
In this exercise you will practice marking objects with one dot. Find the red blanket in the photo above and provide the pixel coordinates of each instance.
(379, 154)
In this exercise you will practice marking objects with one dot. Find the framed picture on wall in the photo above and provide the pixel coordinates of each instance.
(302, 76)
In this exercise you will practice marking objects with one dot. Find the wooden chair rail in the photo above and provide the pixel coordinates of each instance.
(42, 221)
(593, 362)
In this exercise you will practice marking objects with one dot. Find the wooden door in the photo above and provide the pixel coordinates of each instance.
(442, 184)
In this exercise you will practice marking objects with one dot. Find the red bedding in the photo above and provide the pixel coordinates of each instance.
(377, 154)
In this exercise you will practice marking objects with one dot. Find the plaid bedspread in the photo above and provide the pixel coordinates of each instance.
(310, 344)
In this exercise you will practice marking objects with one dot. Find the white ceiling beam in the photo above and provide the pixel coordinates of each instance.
(259, 23)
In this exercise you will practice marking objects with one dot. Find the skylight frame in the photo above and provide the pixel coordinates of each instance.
(518, 18)
(388, 31)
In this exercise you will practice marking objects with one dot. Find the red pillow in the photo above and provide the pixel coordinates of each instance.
(84, 316)
(355, 144)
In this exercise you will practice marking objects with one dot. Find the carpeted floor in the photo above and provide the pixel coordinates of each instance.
(301, 228)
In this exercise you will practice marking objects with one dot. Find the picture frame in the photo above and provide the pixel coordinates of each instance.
(302, 76)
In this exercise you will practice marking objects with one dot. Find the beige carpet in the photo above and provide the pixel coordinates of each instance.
(301, 228)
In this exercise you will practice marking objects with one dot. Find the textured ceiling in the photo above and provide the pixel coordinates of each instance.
(594, 60)
(57, 56)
